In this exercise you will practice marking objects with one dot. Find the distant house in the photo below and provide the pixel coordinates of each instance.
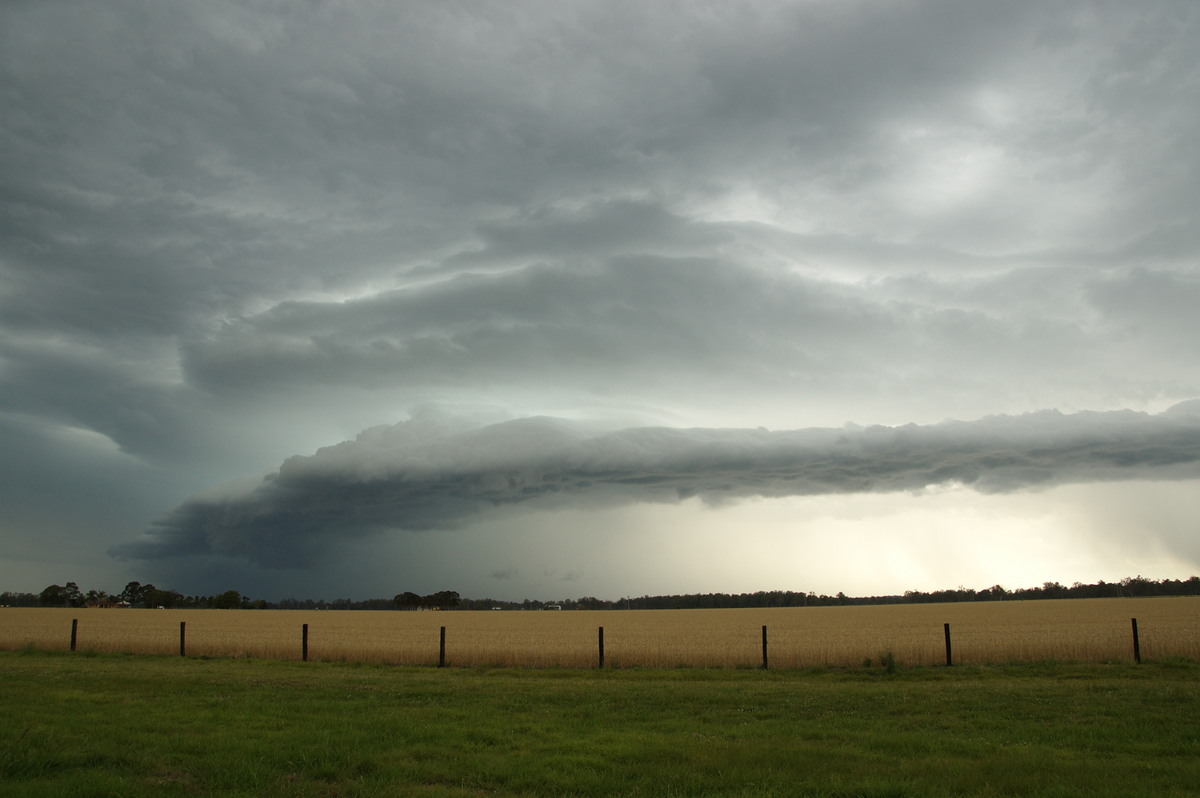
(554, 606)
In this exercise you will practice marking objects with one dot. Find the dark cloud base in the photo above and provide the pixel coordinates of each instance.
(424, 475)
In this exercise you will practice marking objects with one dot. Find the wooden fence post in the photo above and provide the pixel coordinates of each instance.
(1137, 647)
(764, 647)
(182, 627)
(442, 649)
(304, 643)
(601, 643)
(74, 631)
(949, 655)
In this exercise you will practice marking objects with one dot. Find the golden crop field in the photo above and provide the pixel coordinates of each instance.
(1074, 630)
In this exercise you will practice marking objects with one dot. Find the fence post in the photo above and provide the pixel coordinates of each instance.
(601, 643)
(442, 649)
(182, 626)
(304, 643)
(74, 631)
(949, 655)
(764, 647)
(1137, 648)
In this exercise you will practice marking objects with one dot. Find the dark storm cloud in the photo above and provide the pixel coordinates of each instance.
(592, 324)
(420, 475)
(129, 404)
(234, 230)
(687, 323)
(596, 230)
(215, 177)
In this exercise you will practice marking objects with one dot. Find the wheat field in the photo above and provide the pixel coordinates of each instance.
(1076, 630)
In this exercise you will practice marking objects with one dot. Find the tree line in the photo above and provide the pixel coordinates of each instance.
(1129, 587)
(136, 594)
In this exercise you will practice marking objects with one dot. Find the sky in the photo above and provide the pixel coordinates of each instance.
(550, 300)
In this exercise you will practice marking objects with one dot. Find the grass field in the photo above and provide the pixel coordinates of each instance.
(132, 725)
(1077, 630)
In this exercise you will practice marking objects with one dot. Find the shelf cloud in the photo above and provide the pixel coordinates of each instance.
(424, 476)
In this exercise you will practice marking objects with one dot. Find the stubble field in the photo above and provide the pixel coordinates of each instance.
(1079, 630)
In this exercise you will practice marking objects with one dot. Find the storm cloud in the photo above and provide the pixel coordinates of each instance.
(231, 232)
(422, 476)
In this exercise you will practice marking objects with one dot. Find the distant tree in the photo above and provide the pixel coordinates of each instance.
(97, 598)
(993, 593)
(444, 599)
(67, 595)
(1053, 590)
(1138, 586)
(52, 596)
(374, 604)
(135, 593)
(407, 600)
(161, 598)
(10, 599)
(229, 600)
(73, 594)
(297, 604)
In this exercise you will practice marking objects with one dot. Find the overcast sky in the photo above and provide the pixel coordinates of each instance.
(547, 300)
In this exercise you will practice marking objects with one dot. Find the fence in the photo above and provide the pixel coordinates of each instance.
(441, 660)
(1078, 630)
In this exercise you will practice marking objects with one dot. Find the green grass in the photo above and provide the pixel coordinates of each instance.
(100, 725)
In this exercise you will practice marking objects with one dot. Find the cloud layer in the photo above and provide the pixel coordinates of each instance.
(235, 231)
(421, 476)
